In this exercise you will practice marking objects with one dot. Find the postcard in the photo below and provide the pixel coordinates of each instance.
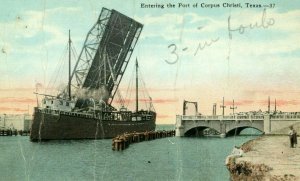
(149, 90)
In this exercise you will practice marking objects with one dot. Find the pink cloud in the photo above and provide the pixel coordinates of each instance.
(150, 90)
(162, 116)
(162, 101)
(263, 92)
(9, 109)
(16, 89)
(279, 102)
(238, 103)
(28, 89)
(17, 100)
(155, 101)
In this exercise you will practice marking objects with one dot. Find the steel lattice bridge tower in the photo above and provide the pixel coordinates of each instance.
(105, 54)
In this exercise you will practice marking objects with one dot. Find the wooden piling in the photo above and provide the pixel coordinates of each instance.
(122, 142)
(9, 132)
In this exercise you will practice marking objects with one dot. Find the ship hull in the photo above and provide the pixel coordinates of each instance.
(47, 126)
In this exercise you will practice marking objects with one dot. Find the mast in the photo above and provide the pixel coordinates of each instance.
(136, 86)
(69, 84)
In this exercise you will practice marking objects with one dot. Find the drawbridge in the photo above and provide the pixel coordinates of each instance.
(105, 54)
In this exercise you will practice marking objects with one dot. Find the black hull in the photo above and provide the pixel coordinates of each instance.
(46, 126)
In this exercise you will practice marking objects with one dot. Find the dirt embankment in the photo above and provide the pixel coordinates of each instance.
(267, 158)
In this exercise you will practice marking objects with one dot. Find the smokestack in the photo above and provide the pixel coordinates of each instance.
(214, 109)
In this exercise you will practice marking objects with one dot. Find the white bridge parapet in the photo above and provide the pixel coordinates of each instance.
(286, 117)
(233, 117)
(267, 123)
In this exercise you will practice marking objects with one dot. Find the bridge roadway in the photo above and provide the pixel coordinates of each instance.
(187, 125)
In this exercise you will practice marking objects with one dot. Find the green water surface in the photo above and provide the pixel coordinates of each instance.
(172, 158)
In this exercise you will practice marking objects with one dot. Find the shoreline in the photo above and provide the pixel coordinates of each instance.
(268, 157)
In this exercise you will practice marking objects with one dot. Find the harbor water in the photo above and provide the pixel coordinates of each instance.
(171, 158)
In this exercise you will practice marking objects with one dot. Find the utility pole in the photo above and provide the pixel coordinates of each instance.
(4, 121)
(223, 107)
(232, 107)
(275, 106)
(269, 105)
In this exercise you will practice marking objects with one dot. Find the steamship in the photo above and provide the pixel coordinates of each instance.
(84, 110)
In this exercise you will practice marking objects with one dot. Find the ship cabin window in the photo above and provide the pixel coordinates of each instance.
(51, 102)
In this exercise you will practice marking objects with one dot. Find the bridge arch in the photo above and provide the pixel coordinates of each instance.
(198, 131)
(235, 127)
(197, 127)
(238, 130)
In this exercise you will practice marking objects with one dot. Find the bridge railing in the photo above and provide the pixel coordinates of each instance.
(228, 117)
(242, 117)
(257, 117)
(285, 116)
(231, 117)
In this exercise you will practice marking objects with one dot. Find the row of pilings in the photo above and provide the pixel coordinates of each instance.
(121, 142)
(9, 132)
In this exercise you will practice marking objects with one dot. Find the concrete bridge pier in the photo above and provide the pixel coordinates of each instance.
(222, 129)
(179, 126)
(267, 124)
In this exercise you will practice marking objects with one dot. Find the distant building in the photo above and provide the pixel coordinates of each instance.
(15, 121)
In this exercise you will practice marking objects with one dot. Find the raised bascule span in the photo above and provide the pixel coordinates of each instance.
(105, 54)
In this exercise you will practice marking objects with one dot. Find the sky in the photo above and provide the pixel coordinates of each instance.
(185, 53)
